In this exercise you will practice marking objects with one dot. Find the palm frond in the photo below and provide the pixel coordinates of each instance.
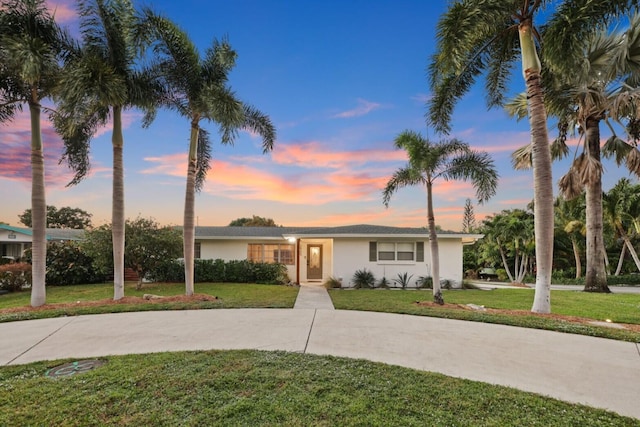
(260, 123)
(569, 185)
(404, 177)
(203, 163)
(617, 148)
(518, 107)
(521, 159)
(477, 167)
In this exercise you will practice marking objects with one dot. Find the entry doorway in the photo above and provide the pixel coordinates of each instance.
(314, 262)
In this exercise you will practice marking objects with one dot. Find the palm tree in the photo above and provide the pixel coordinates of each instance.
(197, 88)
(474, 37)
(428, 161)
(569, 218)
(621, 206)
(100, 81)
(30, 45)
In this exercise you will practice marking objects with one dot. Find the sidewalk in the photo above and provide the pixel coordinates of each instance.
(594, 371)
(313, 295)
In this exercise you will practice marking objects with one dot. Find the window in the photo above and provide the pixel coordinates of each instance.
(196, 250)
(271, 253)
(396, 251)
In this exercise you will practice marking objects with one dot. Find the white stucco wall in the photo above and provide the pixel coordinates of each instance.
(351, 255)
(230, 250)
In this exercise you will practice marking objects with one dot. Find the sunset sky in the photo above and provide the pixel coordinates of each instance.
(339, 79)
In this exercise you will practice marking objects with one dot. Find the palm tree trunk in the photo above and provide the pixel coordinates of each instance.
(576, 256)
(504, 261)
(596, 276)
(541, 161)
(38, 209)
(435, 255)
(621, 260)
(632, 250)
(117, 209)
(189, 227)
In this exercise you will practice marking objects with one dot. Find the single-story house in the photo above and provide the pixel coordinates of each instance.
(311, 254)
(314, 254)
(15, 240)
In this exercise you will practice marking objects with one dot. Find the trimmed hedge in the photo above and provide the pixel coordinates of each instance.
(235, 271)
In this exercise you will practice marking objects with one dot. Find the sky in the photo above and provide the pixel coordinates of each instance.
(339, 79)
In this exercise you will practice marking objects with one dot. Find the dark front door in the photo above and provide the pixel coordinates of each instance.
(314, 262)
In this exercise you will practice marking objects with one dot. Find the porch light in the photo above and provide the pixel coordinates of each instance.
(291, 239)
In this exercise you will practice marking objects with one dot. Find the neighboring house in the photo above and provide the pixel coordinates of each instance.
(317, 253)
(15, 240)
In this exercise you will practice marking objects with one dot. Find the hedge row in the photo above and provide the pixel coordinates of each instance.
(218, 270)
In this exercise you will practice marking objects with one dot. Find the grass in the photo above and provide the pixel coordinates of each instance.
(619, 308)
(231, 295)
(271, 389)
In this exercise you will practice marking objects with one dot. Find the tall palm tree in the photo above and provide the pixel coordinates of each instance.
(197, 89)
(30, 45)
(569, 218)
(476, 37)
(606, 90)
(102, 79)
(449, 160)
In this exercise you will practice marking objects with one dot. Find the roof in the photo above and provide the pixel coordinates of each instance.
(52, 233)
(360, 230)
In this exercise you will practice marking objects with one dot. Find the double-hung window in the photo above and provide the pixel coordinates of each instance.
(396, 251)
(271, 253)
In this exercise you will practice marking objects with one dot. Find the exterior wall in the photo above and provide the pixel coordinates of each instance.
(351, 255)
(13, 244)
(230, 250)
(328, 258)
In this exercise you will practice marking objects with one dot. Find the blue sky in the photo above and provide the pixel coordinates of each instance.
(339, 80)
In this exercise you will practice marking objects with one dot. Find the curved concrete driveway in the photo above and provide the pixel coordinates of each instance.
(594, 371)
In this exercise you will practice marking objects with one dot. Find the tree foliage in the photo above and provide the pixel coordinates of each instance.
(147, 246)
(65, 217)
(469, 218)
(254, 221)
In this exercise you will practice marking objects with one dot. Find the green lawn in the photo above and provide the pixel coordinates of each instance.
(231, 295)
(620, 308)
(271, 389)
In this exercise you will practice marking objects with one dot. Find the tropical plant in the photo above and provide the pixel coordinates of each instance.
(621, 206)
(449, 160)
(605, 90)
(30, 47)
(424, 282)
(404, 280)
(332, 283)
(197, 89)
(363, 279)
(102, 78)
(570, 221)
(510, 235)
(476, 37)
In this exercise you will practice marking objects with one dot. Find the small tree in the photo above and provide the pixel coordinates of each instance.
(255, 221)
(148, 245)
(65, 217)
(469, 218)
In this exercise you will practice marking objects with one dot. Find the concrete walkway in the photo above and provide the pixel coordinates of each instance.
(594, 371)
(313, 295)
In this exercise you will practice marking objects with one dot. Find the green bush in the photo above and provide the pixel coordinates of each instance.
(363, 279)
(403, 280)
(13, 277)
(424, 282)
(69, 264)
(235, 271)
(502, 274)
(332, 283)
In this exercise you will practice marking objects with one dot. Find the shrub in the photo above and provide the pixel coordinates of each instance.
(69, 264)
(13, 277)
(424, 282)
(383, 283)
(403, 280)
(502, 274)
(363, 279)
(332, 283)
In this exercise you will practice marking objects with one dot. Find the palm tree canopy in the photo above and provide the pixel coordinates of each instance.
(480, 38)
(448, 159)
(197, 87)
(30, 48)
(101, 73)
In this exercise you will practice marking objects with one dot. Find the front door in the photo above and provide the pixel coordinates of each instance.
(314, 262)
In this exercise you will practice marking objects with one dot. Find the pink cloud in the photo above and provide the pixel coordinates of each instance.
(364, 107)
(63, 10)
(315, 154)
